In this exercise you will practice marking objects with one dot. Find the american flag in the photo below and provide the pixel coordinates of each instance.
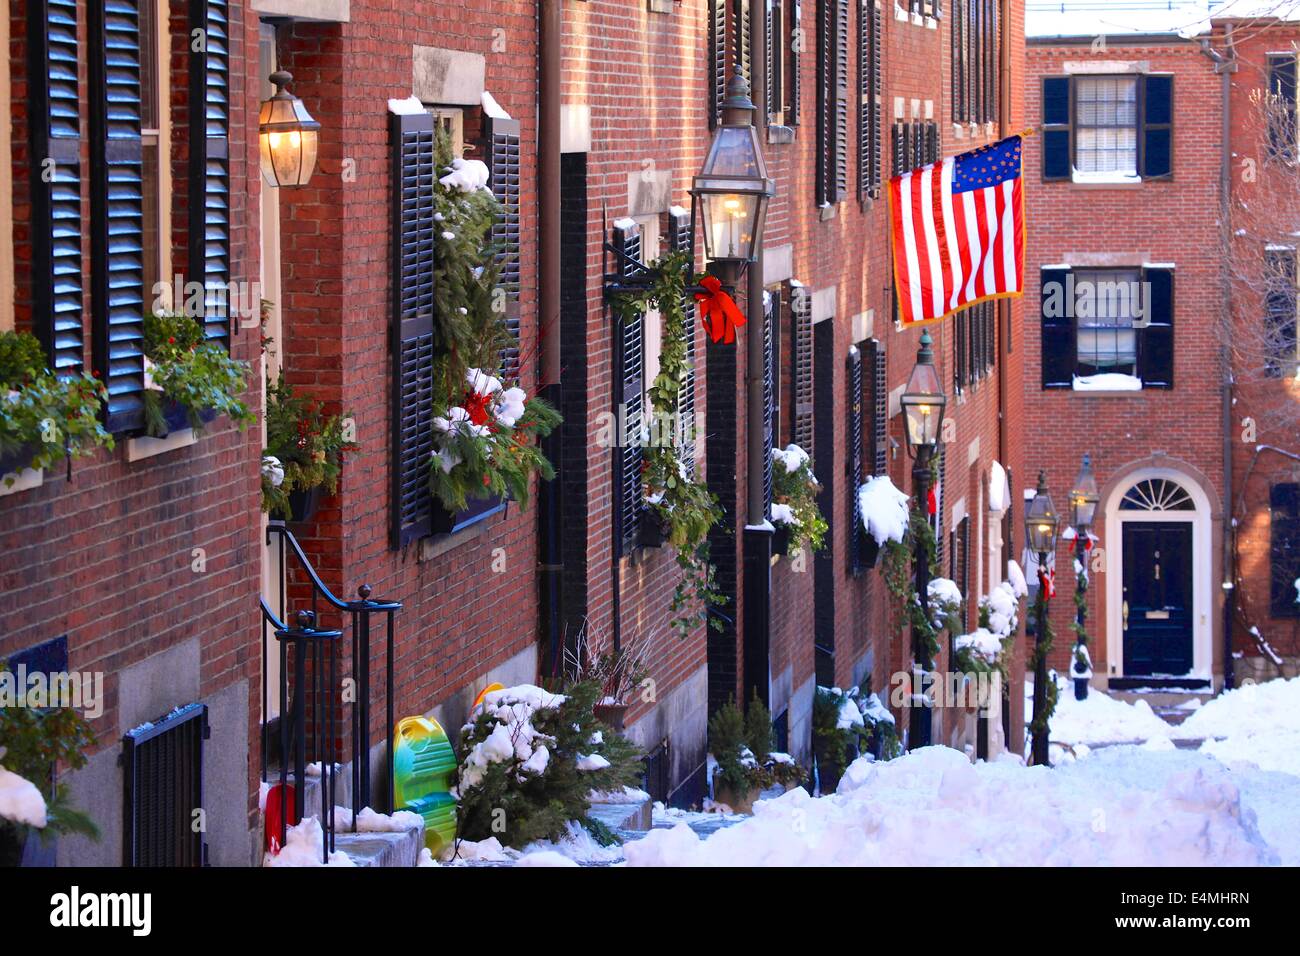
(958, 232)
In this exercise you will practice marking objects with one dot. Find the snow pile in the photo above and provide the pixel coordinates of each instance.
(20, 800)
(981, 642)
(1016, 578)
(884, 509)
(576, 846)
(793, 457)
(514, 735)
(1100, 719)
(1002, 605)
(1256, 724)
(466, 175)
(933, 807)
(302, 847)
(782, 513)
(369, 821)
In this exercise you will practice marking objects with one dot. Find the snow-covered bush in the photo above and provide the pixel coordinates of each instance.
(884, 510)
(794, 496)
(847, 724)
(742, 746)
(944, 599)
(985, 648)
(530, 758)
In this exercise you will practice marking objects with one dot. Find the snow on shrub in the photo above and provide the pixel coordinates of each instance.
(529, 760)
(20, 800)
(884, 509)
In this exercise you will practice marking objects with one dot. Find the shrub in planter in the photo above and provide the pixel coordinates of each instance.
(185, 373)
(44, 417)
(794, 498)
(33, 742)
(747, 765)
(304, 452)
(530, 759)
(847, 724)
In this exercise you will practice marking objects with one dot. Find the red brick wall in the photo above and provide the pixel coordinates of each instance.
(107, 558)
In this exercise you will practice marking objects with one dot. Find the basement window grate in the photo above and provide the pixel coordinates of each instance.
(163, 802)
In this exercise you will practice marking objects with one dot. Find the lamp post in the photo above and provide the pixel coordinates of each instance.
(1083, 506)
(732, 188)
(923, 403)
(1041, 521)
(288, 137)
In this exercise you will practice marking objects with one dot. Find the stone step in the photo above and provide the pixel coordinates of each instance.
(400, 848)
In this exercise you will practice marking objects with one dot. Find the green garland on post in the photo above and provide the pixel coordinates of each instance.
(897, 572)
(683, 504)
(1042, 647)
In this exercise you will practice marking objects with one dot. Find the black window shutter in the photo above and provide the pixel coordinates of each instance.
(413, 345)
(826, 101)
(117, 210)
(1058, 330)
(1284, 549)
(853, 462)
(879, 381)
(1057, 157)
(209, 186)
(631, 373)
(841, 101)
(772, 55)
(796, 51)
(801, 356)
(679, 238)
(936, 522)
(1156, 343)
(744, 51)
(53, 55)
(931, 142)
(961, 372)
(1280, 312)
(717, 59)
(864, 98)
(955, 63)
(918, 144)
(898, 148)
(1157, 126)
(501, 138)
(875, 100)
(1282, 111)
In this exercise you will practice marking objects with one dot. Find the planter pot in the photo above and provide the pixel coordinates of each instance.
(653, 533)
(19, 460)
(11, 847)
(178, 419)
(740, 802)
(828, 776)
(611, 715)
(449, 522)
(868, 550)
(303, 504)
(781, 539)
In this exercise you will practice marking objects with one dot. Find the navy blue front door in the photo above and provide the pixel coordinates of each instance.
(1157, 609)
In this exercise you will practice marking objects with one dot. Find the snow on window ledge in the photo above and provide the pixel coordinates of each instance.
(1104, 178)
(1107, 382)
(138, 448)
(24, 480)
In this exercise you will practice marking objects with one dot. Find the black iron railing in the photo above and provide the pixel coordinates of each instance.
(316, 697)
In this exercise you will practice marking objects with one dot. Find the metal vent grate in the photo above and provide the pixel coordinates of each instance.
(163, 762)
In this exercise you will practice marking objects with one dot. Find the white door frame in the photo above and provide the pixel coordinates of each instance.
(1202, 562)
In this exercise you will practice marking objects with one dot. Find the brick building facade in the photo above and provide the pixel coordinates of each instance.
(1160, 137)
(151, 561)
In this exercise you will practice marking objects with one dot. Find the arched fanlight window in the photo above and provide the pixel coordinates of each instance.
(1157, 494)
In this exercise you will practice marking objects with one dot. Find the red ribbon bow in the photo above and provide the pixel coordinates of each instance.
(1047, 581)
(719, 313)
(932, 502)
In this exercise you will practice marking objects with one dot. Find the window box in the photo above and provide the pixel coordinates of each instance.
(24, 478)
(303, 504)
(447, 522)
(781, 539)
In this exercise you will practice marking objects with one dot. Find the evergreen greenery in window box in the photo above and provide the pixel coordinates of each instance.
(794, 499)
(679, 500)
(847, 724)
(44, 417)
(304, 455)
(187, 379)
(33, 742)
(485, 429)
(747, 765)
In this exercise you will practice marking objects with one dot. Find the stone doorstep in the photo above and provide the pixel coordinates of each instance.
(635, 817)
(399, 848)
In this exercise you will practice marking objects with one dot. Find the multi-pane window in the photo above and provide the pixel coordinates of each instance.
(1108, 128)
(1284, 549)
(1279, 312)
(1106, 124)
(155, 145)
(1280, 106)
(1106, 339)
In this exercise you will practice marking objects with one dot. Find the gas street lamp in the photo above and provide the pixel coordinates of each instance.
(288, 137)
(1083, 506)
(1041, 522)
(923, 404)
